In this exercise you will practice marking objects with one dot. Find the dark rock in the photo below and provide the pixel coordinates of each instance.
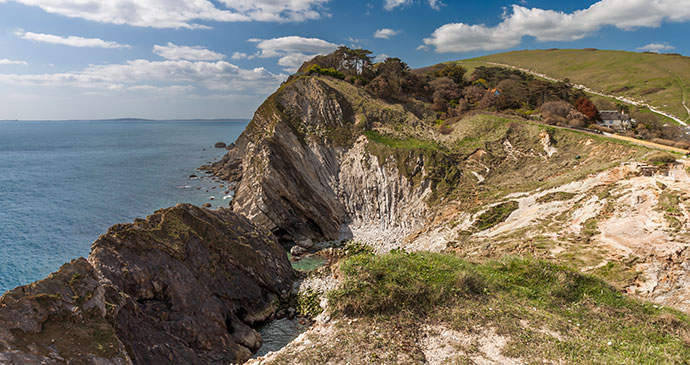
(220, 145)
(183, 286)
(206, 205)
(192, 176)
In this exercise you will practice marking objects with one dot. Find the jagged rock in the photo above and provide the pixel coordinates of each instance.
(182, 286)
(301, 172)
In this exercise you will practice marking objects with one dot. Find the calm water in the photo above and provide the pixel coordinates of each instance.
(64, 183)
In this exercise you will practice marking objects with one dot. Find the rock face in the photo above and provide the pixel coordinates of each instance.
(182, 286)
(300, 170)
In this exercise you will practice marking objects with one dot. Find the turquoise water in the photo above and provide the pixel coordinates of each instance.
(64, 183)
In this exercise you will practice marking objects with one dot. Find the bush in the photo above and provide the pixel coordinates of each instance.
(660, 158)
(586, 107)
(600, 128)
(557, 108)
(316, 69)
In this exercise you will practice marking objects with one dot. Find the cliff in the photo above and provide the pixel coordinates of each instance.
(182, 286)
(301, 171)
(326, 160)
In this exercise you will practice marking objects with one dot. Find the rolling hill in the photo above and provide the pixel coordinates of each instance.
(661, 80)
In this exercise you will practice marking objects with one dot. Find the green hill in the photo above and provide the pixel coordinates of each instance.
(661, 80)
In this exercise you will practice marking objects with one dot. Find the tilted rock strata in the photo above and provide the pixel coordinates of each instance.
(301, 171)
(182, 286)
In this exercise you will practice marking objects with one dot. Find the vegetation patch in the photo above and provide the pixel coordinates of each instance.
(661, 158)
(316, 69)
(495, 215)
(670, 205)
(400, 281)
(407, 143)
(590, 228)
(307, 303)
(574, 318)
(555, 197)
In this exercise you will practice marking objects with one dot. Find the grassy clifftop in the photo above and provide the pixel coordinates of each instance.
(437, 308)
(660, 80)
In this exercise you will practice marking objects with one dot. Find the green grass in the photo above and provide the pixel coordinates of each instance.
(610, 71)
(547, 312)
(555, 196)
(495, 215)
(407, 143)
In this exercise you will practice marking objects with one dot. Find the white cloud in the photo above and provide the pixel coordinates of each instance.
(437, 4)
(392, 4)
(380, 58)
(182, 13)
(385, 33)
(175, 52)
(239, 56)
(292, 61)
(72, 41)
(656, 47)
(163, 75)
(5, 61)
(292, 50)
(551, 25)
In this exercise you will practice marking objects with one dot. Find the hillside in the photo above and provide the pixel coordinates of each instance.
(660, 80)
(329, 159)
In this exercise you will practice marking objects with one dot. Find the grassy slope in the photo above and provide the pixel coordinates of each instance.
(546, 313)
(609, 71)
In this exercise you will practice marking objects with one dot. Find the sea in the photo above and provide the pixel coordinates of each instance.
(63, 183)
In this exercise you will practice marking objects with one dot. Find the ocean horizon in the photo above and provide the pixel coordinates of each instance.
(64, 182)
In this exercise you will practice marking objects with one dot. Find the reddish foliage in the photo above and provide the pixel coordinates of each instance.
(586, 107)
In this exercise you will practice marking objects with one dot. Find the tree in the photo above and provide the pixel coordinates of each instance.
(346, 60)
(454, 72)
(473, 93)
(395, 81)
(586, 107)
(445, 90)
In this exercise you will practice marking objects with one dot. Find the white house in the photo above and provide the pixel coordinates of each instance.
(615, 120)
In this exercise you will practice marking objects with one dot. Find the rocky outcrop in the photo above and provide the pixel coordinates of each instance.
(183, 286)
(302, 171)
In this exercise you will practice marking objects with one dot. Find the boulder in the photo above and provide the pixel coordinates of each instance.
(220, 145)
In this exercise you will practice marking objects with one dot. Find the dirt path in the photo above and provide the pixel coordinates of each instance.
(640, 142)
(589, 90)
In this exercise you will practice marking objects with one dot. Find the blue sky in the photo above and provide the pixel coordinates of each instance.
(91, 59)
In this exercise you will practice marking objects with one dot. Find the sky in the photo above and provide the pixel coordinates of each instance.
(180, 59)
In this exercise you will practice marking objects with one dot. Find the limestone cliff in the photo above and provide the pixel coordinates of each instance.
(182, 286)
(301, 168)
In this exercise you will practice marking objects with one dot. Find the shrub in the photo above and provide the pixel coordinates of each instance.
(661, 158)
(600, 128)
(316, 69)
(557, 108)
(586, 107)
